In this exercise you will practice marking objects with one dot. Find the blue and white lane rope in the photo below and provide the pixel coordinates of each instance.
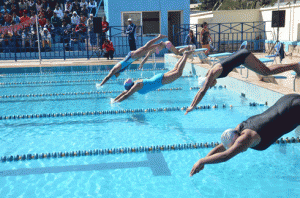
(124, 111)
(123, 150)
(77, 93)
(75, 72)
(68, 81)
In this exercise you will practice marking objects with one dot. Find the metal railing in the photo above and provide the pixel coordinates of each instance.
(227, 36)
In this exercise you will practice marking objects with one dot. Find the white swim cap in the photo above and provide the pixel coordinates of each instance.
(228, 137)
(128, 84)
(201, 81)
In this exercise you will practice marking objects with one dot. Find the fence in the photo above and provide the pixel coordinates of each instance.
(227, 36)
(64, 46)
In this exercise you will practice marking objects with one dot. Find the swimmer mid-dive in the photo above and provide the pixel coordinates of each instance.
(133, 56)
(146, 85)
(257, 132)
(170, 47)
(245, 57)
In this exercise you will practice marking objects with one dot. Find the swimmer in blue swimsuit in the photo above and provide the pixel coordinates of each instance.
(245, 57)
(133, 56)
(258, 132)
(146, 85)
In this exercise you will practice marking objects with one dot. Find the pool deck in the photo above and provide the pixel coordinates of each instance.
(284, 86)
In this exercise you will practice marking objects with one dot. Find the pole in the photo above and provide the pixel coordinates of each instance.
(278, 27)
(38, 36)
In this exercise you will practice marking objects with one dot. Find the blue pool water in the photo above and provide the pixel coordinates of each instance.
(272, 173)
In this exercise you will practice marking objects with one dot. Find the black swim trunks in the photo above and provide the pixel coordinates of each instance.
(276, 121)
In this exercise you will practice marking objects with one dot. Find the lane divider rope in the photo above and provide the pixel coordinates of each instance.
(69, 81)
(123, 150)
(78, 93)
(77, 72)
(87, 113)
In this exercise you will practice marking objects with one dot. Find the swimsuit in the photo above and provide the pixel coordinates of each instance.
(205, 38)
(233, 61)
(276, 121)
(151, 84)
(126, 62)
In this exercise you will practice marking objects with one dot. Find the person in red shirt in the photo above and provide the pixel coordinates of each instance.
(42, 20)
(104, 30)
(108, 46)
(24, 18)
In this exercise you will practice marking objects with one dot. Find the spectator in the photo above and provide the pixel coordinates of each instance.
(109, 48)
(66, 29)
(25, 40)
(73, 39)
(131, 31)
(81, 32)
(34, 41)
(44, 4)
(191, 39)
(42, 20)
(55, 20)
(49, 13)
(6, 43)
(2, 21)
(84, 11)
(82, 3)
(16, 5)
(7, 19)
(38, 6)
(13, 9)
(68, 6)
(23, 6)
(24, 18)
(104, 30)
(52, 4)
(49, 27)
(16, 40)
(31, 5)
(76, 7)
(15, 18)
(46, 38)
(7, 4)
(92, 35)
(5, 9)
(83, 19)
(75, 19)
(92, 7)
(66, 18)
(59, 12)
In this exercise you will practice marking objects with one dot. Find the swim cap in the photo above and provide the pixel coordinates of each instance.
(201, 81)
(128, 84)
(228, 137)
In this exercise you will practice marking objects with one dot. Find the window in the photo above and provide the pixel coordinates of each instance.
(149, 20)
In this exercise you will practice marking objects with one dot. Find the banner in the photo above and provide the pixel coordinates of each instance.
(18, 27)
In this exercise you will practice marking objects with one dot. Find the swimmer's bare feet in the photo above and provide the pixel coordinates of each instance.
(189, 52)
(162, 36)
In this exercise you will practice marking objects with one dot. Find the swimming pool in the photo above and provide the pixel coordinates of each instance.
(130, 124)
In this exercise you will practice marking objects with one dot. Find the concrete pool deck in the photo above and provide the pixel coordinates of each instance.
(283, 86)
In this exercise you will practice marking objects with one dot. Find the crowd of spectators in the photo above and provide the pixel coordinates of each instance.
(60, 21)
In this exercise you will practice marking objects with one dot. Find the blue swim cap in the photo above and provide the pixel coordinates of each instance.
(128, 84)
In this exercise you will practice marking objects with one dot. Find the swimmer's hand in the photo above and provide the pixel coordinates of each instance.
(198, 166)
(141, 66)
(189, 109)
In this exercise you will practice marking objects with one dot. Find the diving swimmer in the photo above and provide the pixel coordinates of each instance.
(245, 57)
(146, 85)
(257, 132)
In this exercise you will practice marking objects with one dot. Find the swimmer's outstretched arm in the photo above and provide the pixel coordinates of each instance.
(209, 82)
(216, 156)
(145, 59)
(124, 95)
(106, 78)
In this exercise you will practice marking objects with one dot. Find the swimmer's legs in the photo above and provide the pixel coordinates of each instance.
(174, 50)
(112, 72)
(174, 74)
(251, 62)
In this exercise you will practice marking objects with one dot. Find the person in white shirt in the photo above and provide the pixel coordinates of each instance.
(58, 12)
(75, 19)
(46, 37)
(68, 6)
(83, 2)
(92, 7)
